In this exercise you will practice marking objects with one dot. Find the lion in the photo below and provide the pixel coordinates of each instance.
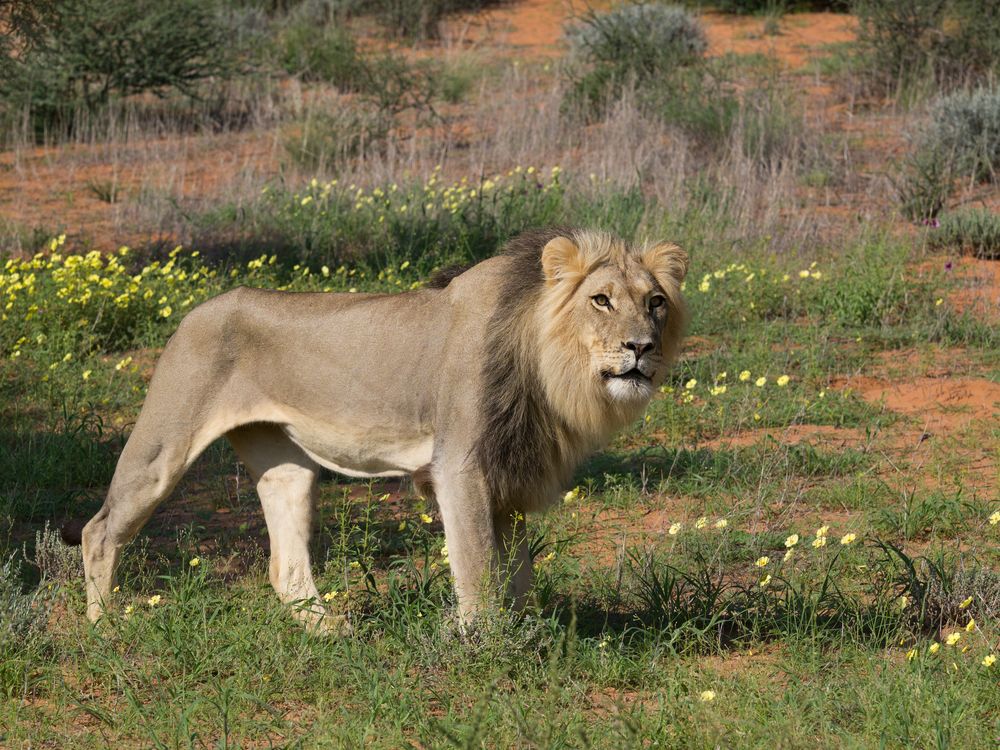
(488, 388)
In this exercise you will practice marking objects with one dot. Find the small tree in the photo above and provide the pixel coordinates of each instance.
(79, 54)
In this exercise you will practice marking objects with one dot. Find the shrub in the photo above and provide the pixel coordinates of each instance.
(924, 184)
(320, 52)
(81, 53)
(973, 230)
(22, 630)
(648, 46)
(328, 139)
(966, 127)
(913, 43)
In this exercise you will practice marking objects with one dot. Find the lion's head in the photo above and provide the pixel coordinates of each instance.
(610, 317)
(585, 329)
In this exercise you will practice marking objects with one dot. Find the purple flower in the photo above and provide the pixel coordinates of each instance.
(948, 266)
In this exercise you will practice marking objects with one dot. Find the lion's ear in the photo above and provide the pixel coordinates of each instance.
(666, 261)
(561, 259)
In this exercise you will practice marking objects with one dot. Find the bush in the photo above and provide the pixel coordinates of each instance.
(976, 231)
(320, 52)
(926, 43)
(965, 126)
(648, 46)
(328, 139)
(79, 54)
(924, 184)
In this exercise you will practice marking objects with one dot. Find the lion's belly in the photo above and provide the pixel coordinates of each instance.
(362, 451)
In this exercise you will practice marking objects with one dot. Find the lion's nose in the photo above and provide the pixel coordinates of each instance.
(638, 347)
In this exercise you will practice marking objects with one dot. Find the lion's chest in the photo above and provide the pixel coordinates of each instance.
(362, 450)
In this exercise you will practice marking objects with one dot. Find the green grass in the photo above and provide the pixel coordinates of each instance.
(648, 586)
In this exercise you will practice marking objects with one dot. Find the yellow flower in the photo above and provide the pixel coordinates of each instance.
(791, 540)
(68, 357)
(783, 381)
(167, 311)
(354, 564)
(989, 660)
(572, 495)
(848, 539)
(911, 654)
(717, 390)
(426, 518)
(994, 518)
(194, 562)
(402, 526)
(153, 600)
(762, 561)
(674, 529)
(86, 374)
(759, 382)
(721, 523)
(819, 541)
(970, 626)
(129, 609)
(744, 376)
(444, 550)
(803, 274)
(954, 638)
(938, 302)
(701, 522)
(934, 648)
(903, 602)
(965, 603)
(691, 384)
(822, 531)
(329, 596)
(706, 696)
(788, 555)
(765, 581)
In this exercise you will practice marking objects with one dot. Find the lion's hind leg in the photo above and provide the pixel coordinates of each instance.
(286, 484)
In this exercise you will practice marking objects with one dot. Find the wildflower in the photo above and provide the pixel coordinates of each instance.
(995, 518)
(549, 557)
(783, 381)
(153, 600)
(938, 302)
(965, 603)
(759, 382)
(426, 518)
(762, 561)
(954, 638)
(129, 609)
(572, 495)
(329, 596)
(68, 357)
(717, 390)
(971, 625)
(788, 554)
(911, 654)
(989, 660)
(721, 523)
(691, 384)
(803, 274)
(194, 562)
(444, 550)
(819, 541)
(167, 311)
(848, 539)
(903, 602)
(674, 529)
(86, 374)
(706, 696)
(402, 526)
(822, 531)
(116, 589)
(765, 581)
(701, 522)
(744, 376)
(792, 540)
(934, 648)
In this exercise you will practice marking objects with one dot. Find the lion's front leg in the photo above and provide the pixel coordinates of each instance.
(469, 534)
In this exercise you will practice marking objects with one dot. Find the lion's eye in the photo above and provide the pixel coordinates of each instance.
(656, 301)
(601, 300)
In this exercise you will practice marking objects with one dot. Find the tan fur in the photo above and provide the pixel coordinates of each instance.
(489, 391)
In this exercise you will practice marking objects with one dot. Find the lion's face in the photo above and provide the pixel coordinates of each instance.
(614, 312)
(620, 315)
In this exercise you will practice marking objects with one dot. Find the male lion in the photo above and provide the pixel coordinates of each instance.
(488, 389)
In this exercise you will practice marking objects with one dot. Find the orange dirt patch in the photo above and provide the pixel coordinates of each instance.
(800, 37)
(949, 405)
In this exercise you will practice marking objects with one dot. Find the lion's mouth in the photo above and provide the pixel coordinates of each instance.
(635, 375)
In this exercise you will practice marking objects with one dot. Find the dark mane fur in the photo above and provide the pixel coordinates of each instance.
(519, 438)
